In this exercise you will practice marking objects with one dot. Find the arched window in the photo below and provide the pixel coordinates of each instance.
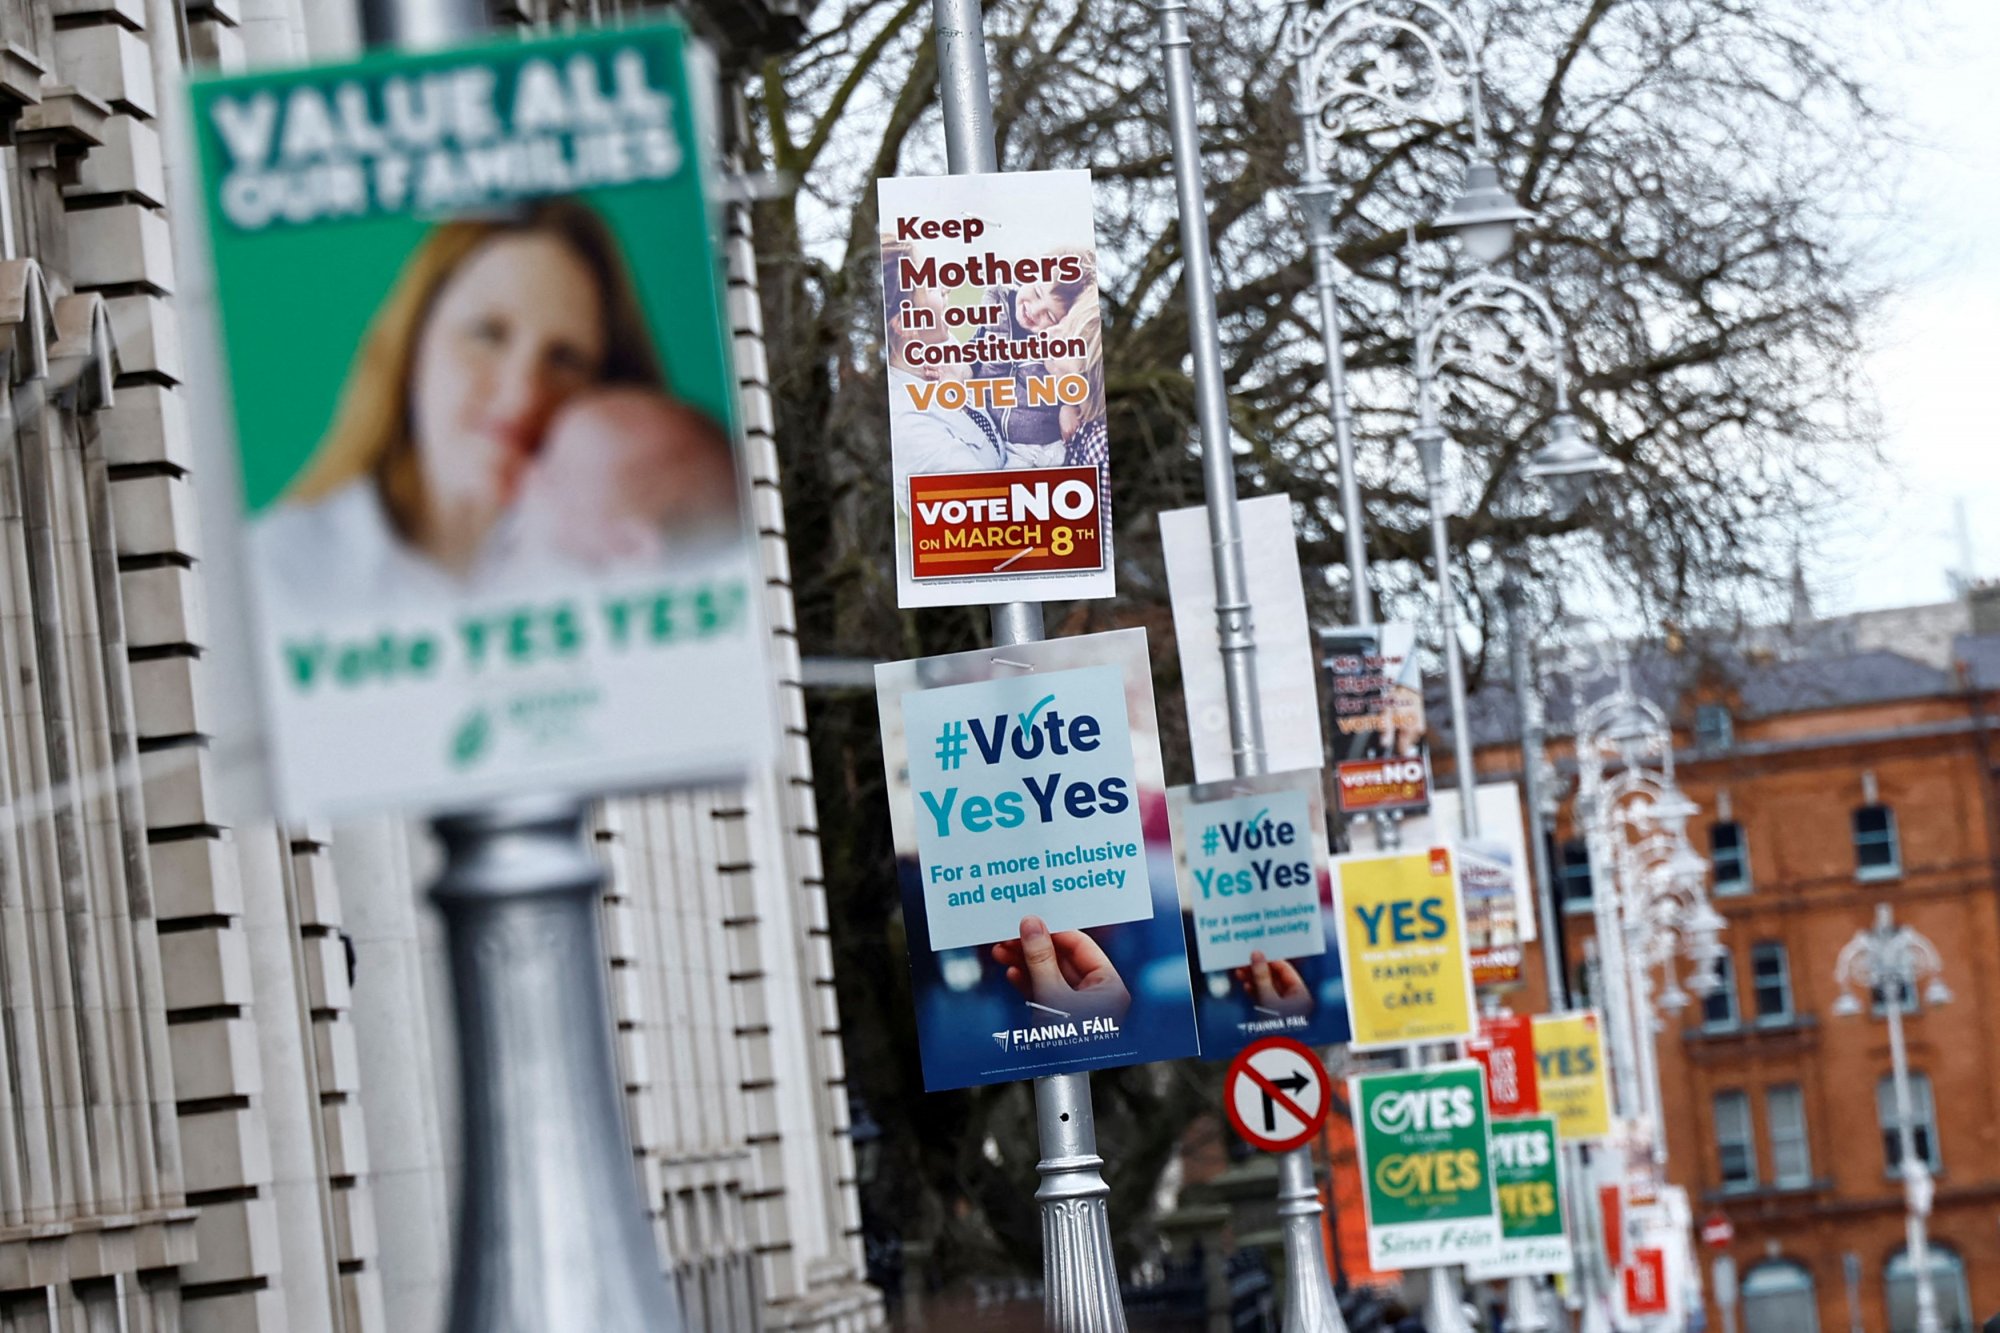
(1778, 1297)
(1954, 1302)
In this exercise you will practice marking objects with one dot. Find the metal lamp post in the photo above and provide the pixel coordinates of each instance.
(1342, 57)
(551, 1234)
(1650, 897)
(1079, 1274)
(1566, 459)
(1310, 1305)
(1895, 960)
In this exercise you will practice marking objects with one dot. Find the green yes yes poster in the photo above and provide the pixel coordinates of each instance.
(1527, 1177)
(1428, 1191)
(471, 322)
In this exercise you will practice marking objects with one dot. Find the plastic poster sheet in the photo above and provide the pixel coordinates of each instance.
(1527, 1177)
(471, 318)
(1029, 812)
(1287, 694)
(995, 368)
(1375, 699)
(1256, 899)
(1402, 942)
(1493, 873)
(1424, 1152)
(1569, 1074)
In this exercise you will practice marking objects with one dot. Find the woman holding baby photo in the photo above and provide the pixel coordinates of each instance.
(504, 416)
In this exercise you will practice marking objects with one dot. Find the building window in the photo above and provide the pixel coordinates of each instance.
(1778, 1297)
(1791, 1154)
(1718, 1007)
(1770, 982)
(1735, 1144)
(1729, 854)
(1573, 873)
(1876, 852)
(1947, 1282)
(1713, 728)
(1923, 1122)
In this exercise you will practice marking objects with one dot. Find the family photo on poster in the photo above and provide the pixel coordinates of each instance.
(995, 350)
(485, 421)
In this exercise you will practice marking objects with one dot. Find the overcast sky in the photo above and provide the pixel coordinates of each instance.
(1937, 364)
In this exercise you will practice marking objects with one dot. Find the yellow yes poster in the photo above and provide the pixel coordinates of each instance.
(1569, 1072)
(1402, 948)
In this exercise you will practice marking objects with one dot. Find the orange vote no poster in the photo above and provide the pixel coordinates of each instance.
(1346, 1215)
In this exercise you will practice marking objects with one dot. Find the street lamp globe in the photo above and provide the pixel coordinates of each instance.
(1484, 215)
(1569, 465)
(1847, 1005)
(1937, 993)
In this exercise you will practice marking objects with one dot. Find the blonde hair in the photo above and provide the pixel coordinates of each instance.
(1083, 322)
(370, 435)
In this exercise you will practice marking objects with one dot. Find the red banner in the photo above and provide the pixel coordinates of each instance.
(1505, 1046)
(1030, 522)
(1611, 1203)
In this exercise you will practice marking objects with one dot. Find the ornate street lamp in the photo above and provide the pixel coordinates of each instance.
(1893, 961)
(1396, 58)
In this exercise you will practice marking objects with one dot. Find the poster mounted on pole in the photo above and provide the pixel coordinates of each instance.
(995, 366)
(481, 397)
(1505, 1049)
(1570, 1076)
(1287, 693)
(1527, 1176)
(1028, 807)
(1257, 901)
(1375, 698)
(1424, 1154)
(1492, 873)
(1402, 948)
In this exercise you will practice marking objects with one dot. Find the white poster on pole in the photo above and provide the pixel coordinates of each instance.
(1284, 641)
(995, 351)
(1499, 884)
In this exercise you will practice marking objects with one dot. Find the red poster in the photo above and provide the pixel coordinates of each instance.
(1505, 1046)
(1611, 1204)
(1646, 1283)
(965, 523)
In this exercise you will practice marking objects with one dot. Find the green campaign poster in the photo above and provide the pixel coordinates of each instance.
(1527, 1177)
(1422, 1142)
(471, 322)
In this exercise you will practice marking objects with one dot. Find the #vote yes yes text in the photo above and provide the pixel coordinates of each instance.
(1251, 882)
(1026, 805)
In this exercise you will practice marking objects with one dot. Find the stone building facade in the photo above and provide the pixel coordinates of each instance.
(224, 1044)
(1828, 783)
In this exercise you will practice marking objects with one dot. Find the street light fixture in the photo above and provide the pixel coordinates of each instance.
(1895, 960)
(1484, 216)
(1350, 53)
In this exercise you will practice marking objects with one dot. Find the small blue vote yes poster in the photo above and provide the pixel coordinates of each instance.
(1028, 803)
(1256, 895)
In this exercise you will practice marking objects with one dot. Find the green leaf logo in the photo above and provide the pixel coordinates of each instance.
(470, 742)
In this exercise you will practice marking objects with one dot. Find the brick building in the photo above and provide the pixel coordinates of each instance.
(212, 1116)
(1829, 781)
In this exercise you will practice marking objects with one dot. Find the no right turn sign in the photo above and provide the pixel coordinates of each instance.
(1276, 1093)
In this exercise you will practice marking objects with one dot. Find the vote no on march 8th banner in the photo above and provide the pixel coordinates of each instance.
(1028, 804)
(995, 368)
(471, 319)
